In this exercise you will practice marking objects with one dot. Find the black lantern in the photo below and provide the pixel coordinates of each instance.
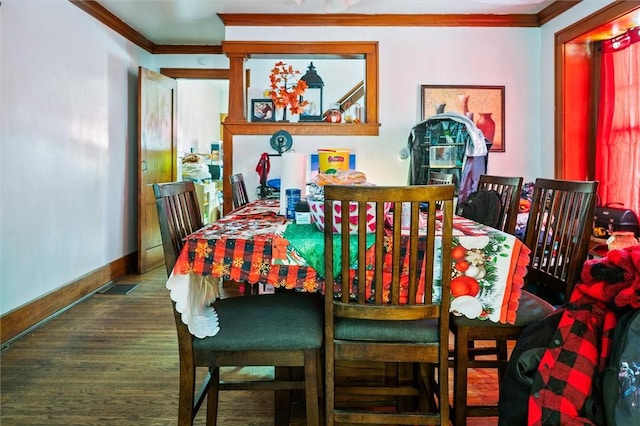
(313, 94)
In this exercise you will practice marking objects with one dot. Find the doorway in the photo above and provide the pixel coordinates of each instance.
(163, 164)
(576, 87)
(203, 98)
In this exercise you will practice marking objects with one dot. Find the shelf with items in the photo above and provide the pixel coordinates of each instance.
(307, 128)
(236, 123)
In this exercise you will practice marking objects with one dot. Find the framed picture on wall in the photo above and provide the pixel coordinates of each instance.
(263, 110)
(484, 105)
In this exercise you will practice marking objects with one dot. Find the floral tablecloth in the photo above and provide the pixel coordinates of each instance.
(251, 245)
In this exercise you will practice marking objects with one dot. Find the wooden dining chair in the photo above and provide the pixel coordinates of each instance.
(178, 216)
(387, 312)
(557, 233)
(437, 178)
(284, 330)
(240, 197)
(509, 189)
(239, 192)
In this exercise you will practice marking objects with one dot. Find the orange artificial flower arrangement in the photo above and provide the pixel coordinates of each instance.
(286, 88)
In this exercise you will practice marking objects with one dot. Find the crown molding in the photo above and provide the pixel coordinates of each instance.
(396, 20)
(382, 20)
(554, 9)
(98, 11)
(95, 9)
(199, 73)
(187, 49)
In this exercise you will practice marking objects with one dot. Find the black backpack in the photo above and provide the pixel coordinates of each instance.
(483, 206)
(621, 378)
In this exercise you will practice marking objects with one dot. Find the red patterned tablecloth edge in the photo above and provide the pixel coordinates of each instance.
(518, 270)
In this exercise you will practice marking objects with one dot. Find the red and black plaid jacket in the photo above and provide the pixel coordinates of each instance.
(562, 390)
(570, 366)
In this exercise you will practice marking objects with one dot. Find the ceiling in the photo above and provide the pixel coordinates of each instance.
(196, 22)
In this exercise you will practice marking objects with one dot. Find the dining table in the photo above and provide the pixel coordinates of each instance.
(254, 244)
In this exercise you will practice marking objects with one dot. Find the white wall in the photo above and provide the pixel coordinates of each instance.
(521, 59)
(409, 58)
(67, 170)
(200, 103)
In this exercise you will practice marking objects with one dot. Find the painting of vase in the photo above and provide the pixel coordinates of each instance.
(484, 103)
(487, 125)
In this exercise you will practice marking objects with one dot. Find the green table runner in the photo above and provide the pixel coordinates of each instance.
(308, 241)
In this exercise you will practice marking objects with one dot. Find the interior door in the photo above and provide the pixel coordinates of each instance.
(157, 149)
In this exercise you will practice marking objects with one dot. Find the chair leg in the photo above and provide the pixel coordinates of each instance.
(212, 396)
(428, 387)
(443, 393)
(461, 357)
(311, 387)
(502, 355)
(186, 411)
(406, 374)
(391, 376)
(329, 385)
(282, 398)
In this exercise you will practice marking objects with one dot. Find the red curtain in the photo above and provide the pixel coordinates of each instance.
(618, 128)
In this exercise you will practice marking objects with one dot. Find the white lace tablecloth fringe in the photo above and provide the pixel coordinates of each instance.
(194, 296)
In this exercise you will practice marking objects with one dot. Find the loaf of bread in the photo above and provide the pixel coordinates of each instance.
(342, 177)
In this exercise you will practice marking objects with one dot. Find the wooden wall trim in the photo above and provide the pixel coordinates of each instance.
(381, 20)
(608, 13)
(104, 16)
(99, 12)
(567, 36)
(397, 20)
(559, 94)
(197, 73)
(23, 318)
(554, 9)
(186, 49)
(324, 49)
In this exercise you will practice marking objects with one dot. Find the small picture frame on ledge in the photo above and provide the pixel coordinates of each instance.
(262, 110)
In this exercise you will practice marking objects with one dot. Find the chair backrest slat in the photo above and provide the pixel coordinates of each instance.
(178, 215)
(437, 178)
(389, 286)
(239, 193)
(558, 231)
(509, 189)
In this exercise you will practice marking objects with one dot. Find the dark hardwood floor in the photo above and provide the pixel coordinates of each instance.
(113, 360)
